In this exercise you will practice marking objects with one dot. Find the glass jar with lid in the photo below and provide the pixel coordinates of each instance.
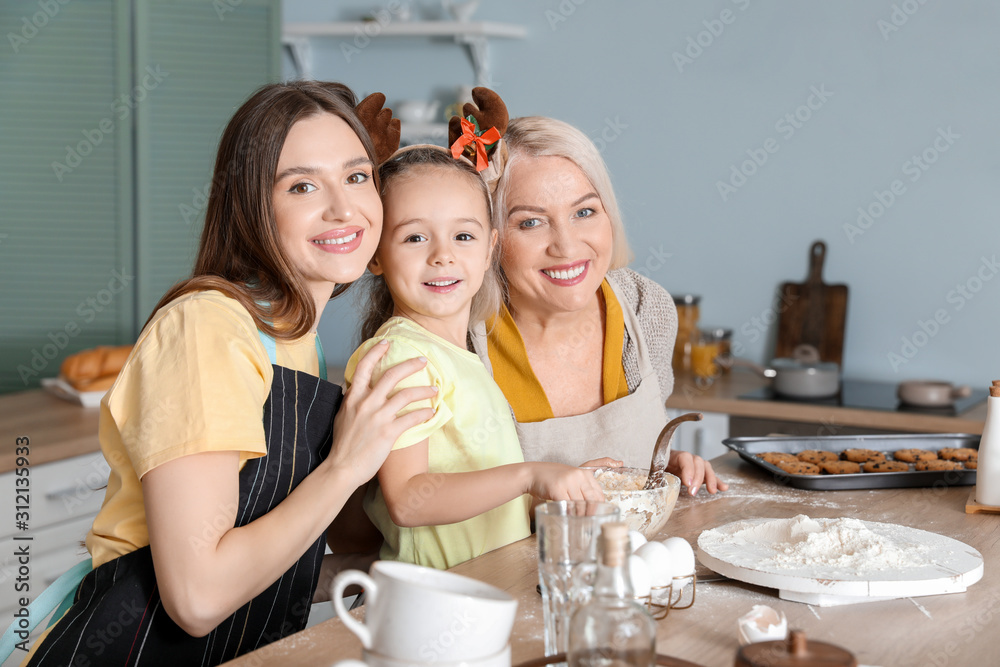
(711, 354)
(687, 331)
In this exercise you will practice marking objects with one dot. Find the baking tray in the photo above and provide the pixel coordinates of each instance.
(748, 447)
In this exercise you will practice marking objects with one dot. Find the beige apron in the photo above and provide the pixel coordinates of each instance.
(625, 429)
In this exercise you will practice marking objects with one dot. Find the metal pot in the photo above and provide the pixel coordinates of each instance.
(803, 376)
(931, 393)
(800, 379)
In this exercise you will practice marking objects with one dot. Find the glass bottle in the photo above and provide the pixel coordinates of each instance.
(988, 473)
(612, 629)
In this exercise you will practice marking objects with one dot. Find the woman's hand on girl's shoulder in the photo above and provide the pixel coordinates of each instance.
(694, 471)
(555, 481)
(367, 425)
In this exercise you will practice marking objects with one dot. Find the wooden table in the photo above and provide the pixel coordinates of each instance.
(958, 629)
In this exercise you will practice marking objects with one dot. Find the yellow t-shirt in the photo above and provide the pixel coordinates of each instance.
(472, 430)
(512, 368)
(196, 381)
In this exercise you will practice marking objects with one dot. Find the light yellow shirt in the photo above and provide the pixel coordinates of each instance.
(472, 430)
(196, 381)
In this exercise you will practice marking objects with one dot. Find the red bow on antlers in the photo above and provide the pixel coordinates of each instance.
(469, 137)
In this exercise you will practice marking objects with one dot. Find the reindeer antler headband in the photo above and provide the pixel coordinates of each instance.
(476, 137)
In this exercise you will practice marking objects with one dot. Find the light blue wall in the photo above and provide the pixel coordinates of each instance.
(891, 94)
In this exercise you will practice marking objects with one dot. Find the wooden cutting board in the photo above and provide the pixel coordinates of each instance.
(813, 313)
(945, 566)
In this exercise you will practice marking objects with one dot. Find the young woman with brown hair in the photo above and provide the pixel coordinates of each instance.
(229, 457)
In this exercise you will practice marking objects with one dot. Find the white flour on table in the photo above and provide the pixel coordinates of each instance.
(843, 544)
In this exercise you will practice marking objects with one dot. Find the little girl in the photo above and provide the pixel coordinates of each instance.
(455, 486)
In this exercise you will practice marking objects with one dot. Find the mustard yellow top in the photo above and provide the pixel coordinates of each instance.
(471, 430)
(512, 369)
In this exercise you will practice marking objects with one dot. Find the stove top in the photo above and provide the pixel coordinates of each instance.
(870, 395)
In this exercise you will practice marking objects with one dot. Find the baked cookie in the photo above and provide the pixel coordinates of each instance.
(840, 467)
(886, 466)
(914, 455)
(798, 467)
(776, 457)
(939, 465)
(817, 456)
(862, 455)
(960, 454)
(972, 464)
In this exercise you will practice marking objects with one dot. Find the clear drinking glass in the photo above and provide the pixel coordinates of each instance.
(567, 561)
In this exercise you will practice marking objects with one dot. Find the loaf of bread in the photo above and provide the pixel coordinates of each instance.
(95, 369)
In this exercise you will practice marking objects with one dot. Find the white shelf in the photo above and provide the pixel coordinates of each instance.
(434, 133)
(472, 34)
(406, 29)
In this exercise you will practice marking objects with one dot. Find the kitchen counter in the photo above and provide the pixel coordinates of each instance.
(722, 396)
(59, 429)
(956, 629)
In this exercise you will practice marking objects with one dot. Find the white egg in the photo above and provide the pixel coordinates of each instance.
(657, 557)
(639, 575)
(635, 540)
(682, 558)
(761, 624)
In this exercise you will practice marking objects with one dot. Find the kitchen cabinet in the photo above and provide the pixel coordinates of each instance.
(702, 438)
(118, 106)
(65, 497)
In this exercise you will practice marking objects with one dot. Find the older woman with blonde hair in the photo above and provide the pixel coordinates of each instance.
(582, 348)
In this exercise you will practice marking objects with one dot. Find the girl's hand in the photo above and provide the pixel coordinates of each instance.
(555, 481)
(694, 471)
(367, 424)
(603, 462)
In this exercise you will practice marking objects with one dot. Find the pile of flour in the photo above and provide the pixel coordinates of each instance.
(839, 544)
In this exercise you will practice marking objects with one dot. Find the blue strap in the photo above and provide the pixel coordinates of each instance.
(59, 597)
(272, 352)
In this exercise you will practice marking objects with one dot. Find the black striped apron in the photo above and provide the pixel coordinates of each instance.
(117, 617)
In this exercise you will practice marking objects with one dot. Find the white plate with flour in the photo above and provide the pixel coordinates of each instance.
(839, 561)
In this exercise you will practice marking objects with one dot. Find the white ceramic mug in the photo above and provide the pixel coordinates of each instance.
(425, 615)
(501, 659)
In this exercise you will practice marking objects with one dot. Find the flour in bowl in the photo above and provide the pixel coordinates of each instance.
(840, 544)
(611, 480)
